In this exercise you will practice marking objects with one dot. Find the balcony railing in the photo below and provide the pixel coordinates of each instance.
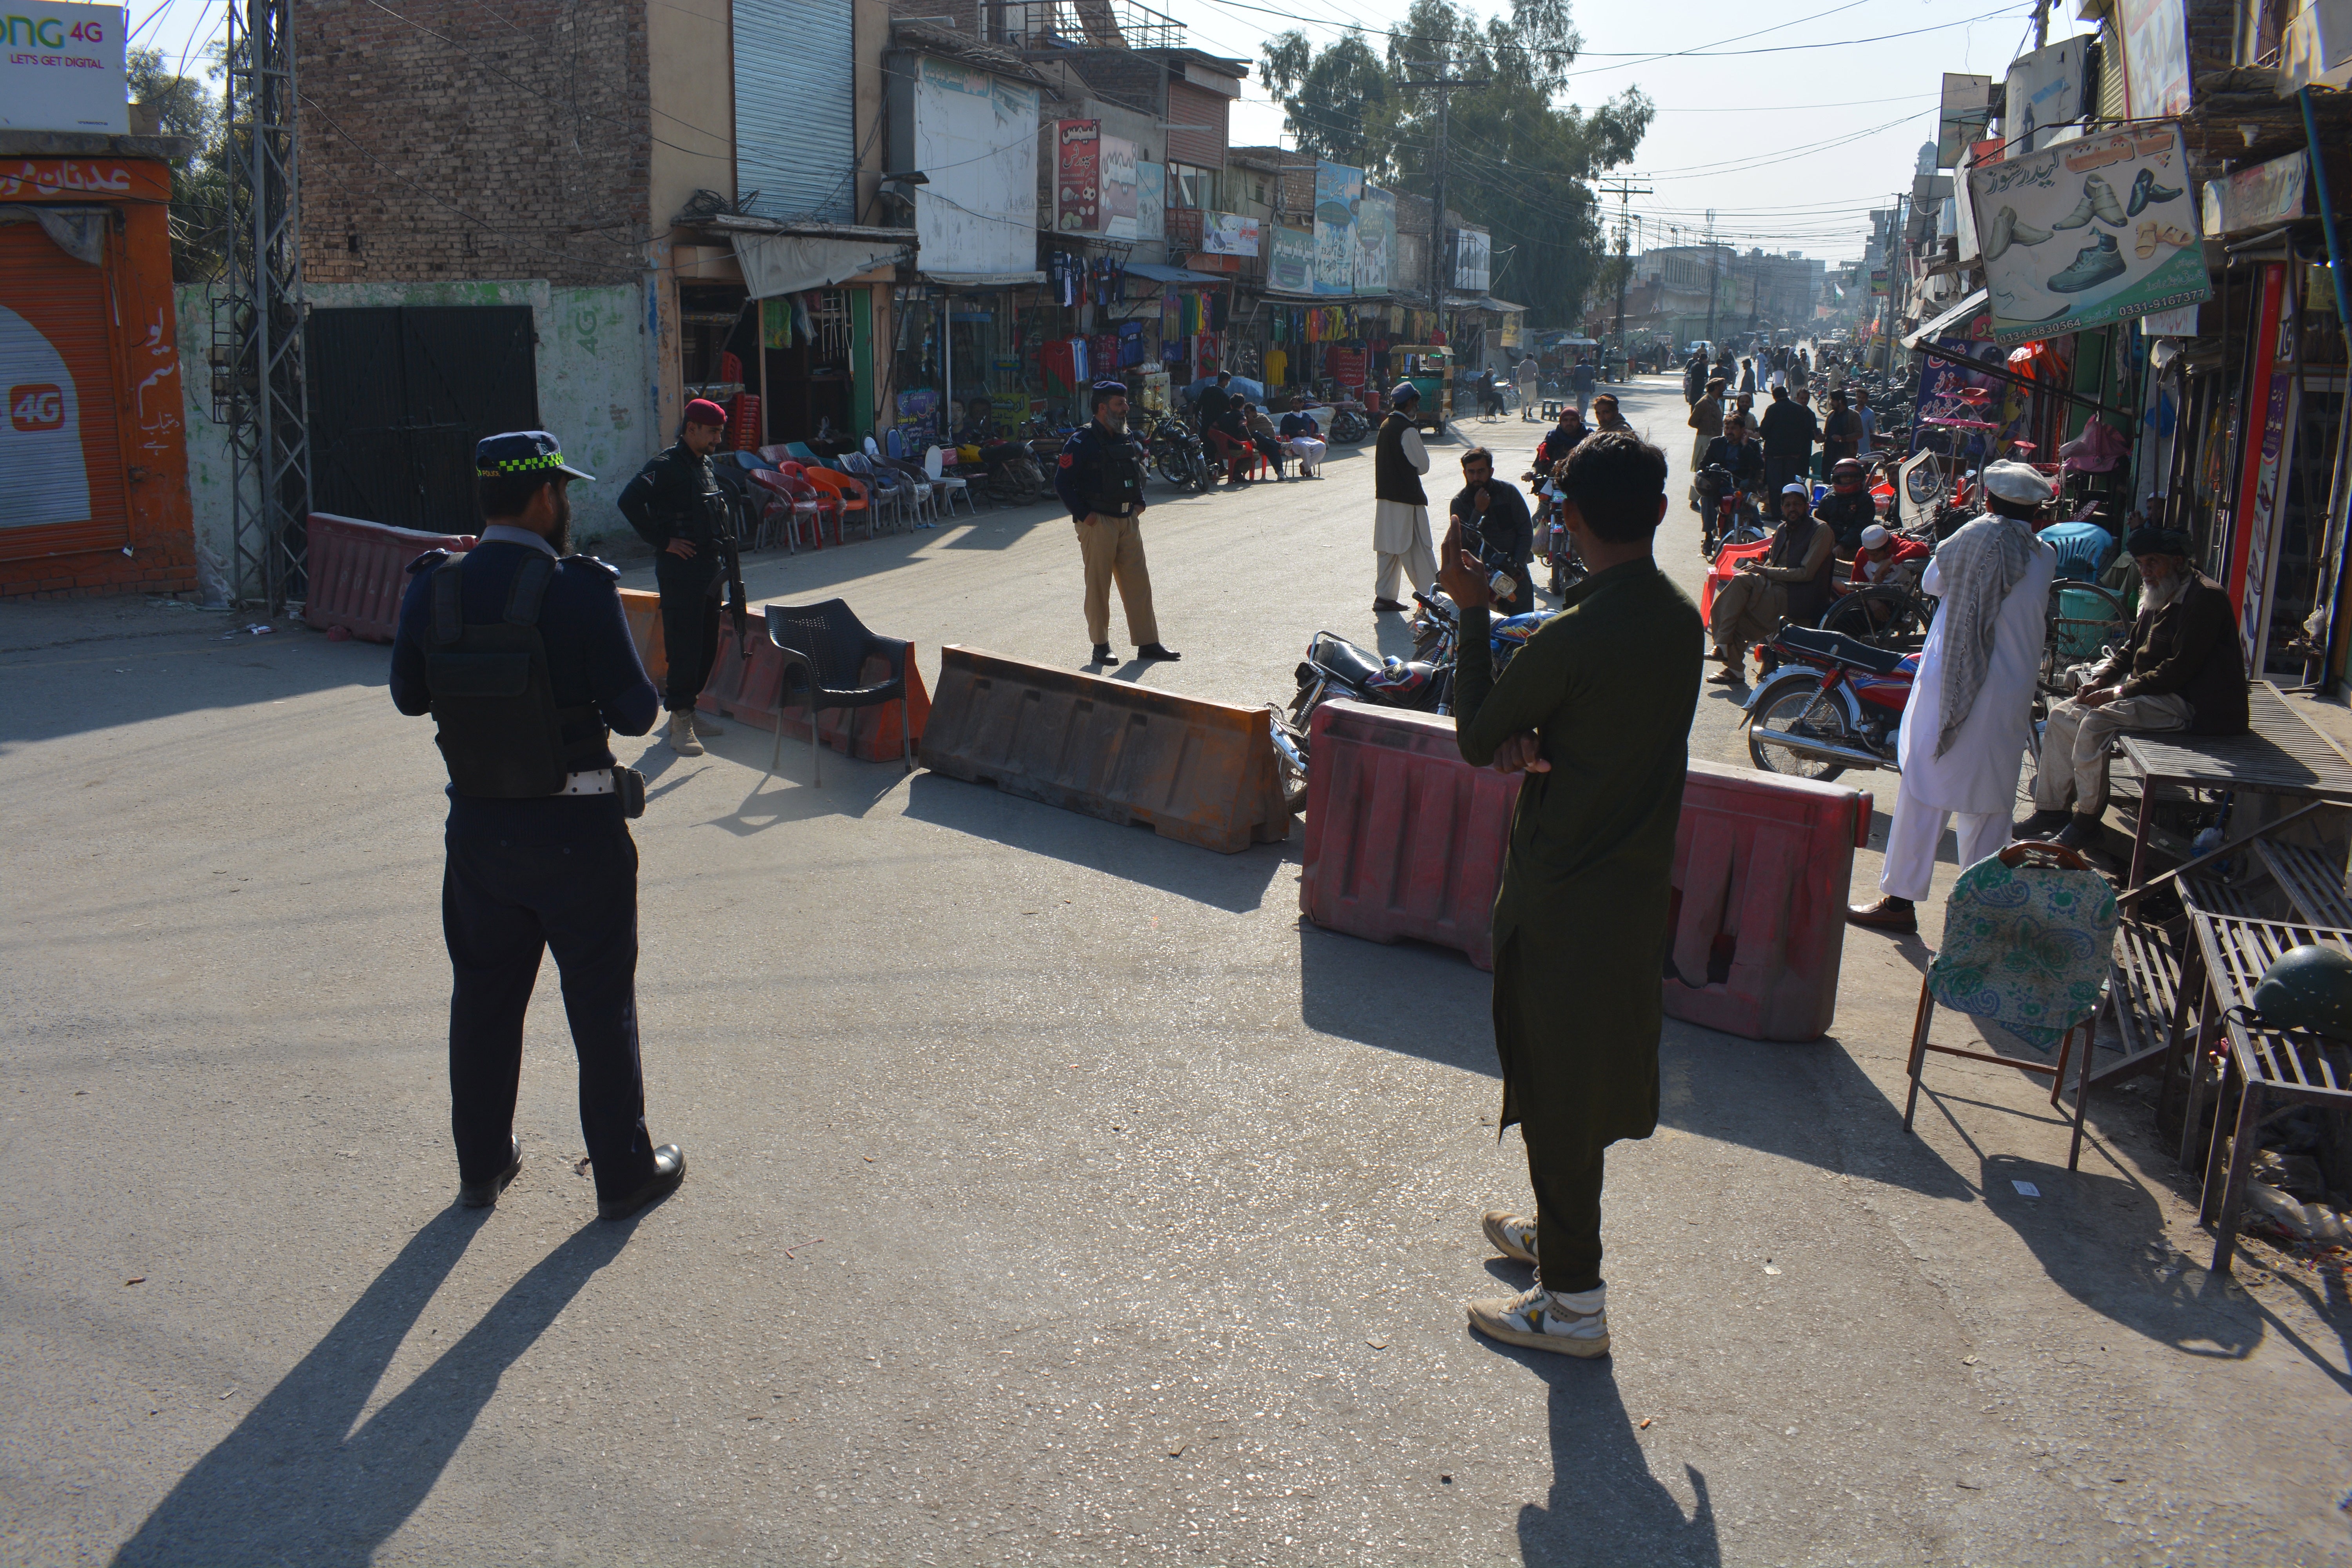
(1082, 23)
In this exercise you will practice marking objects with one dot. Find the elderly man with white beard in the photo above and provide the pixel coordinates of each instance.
(2182, 668)
(1971, 709)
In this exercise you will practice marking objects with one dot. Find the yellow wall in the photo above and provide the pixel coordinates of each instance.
(691, 87)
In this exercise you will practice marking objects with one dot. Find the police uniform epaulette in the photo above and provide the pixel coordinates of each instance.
(427, 561)
(606, 567)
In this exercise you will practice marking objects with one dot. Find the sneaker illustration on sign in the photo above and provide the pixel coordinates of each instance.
(2093, 265)
(2145, 192)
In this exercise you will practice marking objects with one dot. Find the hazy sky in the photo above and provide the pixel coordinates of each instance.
(1791, 146)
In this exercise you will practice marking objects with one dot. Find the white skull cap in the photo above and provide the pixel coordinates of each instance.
(2019, 482)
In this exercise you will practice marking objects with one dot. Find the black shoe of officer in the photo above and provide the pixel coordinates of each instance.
(2080, 834)
(1154, 650)
(2041, 825)
(484, 1194)
(1101, 653)
(669, 1170)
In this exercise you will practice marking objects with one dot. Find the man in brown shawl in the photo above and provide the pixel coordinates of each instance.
(1597, 708)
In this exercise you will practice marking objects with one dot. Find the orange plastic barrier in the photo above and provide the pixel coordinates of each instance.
(1725, 567)
(359, 571)
(1197, 771)
(747, 689)
(1403, 837)
(1763, 866)
(643, 608)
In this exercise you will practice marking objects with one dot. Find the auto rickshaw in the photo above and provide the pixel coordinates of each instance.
(1430, 368)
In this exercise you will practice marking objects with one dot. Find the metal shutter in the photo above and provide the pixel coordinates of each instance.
(60, 452)
(1189, 105)
(796, 109)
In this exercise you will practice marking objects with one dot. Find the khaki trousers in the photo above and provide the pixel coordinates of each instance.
(2074, 743)
(1112, 548)
(1747, 609)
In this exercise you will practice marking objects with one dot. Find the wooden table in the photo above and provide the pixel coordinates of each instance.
(2281, 754)
(2274, 1069)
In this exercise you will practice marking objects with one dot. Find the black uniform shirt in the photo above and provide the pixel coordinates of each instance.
(589, 660)
(664, 501)
(1098, 471)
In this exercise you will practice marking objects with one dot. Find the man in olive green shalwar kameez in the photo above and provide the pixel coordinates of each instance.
(1597, 708)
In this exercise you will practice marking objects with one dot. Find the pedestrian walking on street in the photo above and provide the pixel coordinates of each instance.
(1597, 706)
(1099, 476)
(1971, 710)
(1531, 389)
(520, 652)
(1790, 432)
(675, 505)
(1748, 377)
(1705, 421)
(1582, 380)
(1401, 541)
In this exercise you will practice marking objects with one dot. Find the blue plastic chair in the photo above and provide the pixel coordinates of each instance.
(801, 449)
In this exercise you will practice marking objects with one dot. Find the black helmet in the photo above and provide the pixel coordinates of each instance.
(2310, 987)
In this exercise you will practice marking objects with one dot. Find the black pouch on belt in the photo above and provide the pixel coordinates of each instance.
(630, 785)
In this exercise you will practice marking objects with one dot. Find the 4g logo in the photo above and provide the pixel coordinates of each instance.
(35, 408)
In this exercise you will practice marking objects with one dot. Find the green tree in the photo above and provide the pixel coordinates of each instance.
(186, 107)
(1520, 159)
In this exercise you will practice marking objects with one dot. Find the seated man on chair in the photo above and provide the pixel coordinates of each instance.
(1790, 583)
(2181, 669)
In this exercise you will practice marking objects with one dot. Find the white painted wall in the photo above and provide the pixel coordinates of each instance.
(976, 138)
(595, 369)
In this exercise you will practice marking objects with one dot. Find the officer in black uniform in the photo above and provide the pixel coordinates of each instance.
(1099, 476)
(676, 503)
(523, 656)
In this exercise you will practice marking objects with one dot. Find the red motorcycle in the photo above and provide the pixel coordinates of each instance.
(1834, 703)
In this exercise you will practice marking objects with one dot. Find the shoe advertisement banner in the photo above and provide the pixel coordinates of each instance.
(2087, 232)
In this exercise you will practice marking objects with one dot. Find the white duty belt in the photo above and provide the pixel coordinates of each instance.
(599, 782)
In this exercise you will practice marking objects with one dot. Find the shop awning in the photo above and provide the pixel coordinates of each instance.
(1156, 273)
(789, 263)
(981, 280)
(1967, 310)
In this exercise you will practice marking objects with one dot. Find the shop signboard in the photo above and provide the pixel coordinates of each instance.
(1339, 192)
(2043, 96)
(1119, 188)
(2087, 232)
(62, 70)
(2253, 551)
(1077, 176)
(1967, 108)
(1229, 233)
(985, 129)
(2155, 58)
(1290, 268)
(1150, 200)
(2262, 196)
(1473, 257)
(1375, 241)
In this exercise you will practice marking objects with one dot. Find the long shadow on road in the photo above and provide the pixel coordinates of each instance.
(294, 1483)
(1605, 1508)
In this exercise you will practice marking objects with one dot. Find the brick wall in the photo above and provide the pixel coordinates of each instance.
(464, 141)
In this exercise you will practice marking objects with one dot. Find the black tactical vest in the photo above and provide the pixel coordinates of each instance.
(501, 733)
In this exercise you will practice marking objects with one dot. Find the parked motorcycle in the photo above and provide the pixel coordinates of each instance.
(1727, 514)
(1834, 704)
(1334, 667)
(1176, 454)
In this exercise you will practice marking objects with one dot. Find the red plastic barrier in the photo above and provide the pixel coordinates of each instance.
(358, 571)
(747, 688)
(1403, 837)
(1763, 866)
(1725, 567)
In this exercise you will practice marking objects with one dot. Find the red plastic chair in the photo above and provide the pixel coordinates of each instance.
(849, 497)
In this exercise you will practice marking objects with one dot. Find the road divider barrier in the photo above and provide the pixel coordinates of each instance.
(747, 689)
(1763, 867)
(1201, 772)
(642, 606)
(1403, 837)
(358, 571)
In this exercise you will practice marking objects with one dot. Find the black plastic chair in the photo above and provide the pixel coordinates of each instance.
(825, 649)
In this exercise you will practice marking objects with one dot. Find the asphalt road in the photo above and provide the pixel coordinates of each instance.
(1055, 1195)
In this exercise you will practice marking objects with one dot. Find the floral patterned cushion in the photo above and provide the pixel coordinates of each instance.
(2025, 946)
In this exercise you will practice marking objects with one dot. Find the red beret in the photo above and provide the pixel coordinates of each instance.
(702, 411)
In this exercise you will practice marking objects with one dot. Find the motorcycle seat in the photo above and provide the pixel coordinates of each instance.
(1808, 643)
(1345, 660)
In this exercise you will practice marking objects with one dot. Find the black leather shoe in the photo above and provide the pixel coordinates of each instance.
(1102, 654)
(2041, 825)
(2080, 834)
(1383, 606)
(669, 1170)
(484, 1195)
(1889, 914)
(1153, 650)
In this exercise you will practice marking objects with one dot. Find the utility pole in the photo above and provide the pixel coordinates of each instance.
(1441, 272)
(1712, 258)
(1624, 195)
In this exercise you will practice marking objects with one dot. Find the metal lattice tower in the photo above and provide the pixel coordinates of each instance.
(257, 349)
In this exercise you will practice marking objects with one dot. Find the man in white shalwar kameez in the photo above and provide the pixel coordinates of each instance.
(1971, 709)
(1401, 541)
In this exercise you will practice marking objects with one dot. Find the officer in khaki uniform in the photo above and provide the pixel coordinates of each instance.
(520, 652)
(1100, 478)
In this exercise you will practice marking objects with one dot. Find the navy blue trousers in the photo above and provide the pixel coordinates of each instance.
(502, 905)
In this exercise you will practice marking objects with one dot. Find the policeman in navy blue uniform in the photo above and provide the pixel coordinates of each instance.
(1099, 476)
(522, 654)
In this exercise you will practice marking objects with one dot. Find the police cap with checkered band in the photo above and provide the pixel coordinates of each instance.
(520, 452)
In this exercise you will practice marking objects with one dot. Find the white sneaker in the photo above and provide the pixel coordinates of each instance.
(1575, 1325)
(1511, 1235)
(681, 734)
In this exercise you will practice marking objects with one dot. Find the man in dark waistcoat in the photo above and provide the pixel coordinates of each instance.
(1400, 506)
